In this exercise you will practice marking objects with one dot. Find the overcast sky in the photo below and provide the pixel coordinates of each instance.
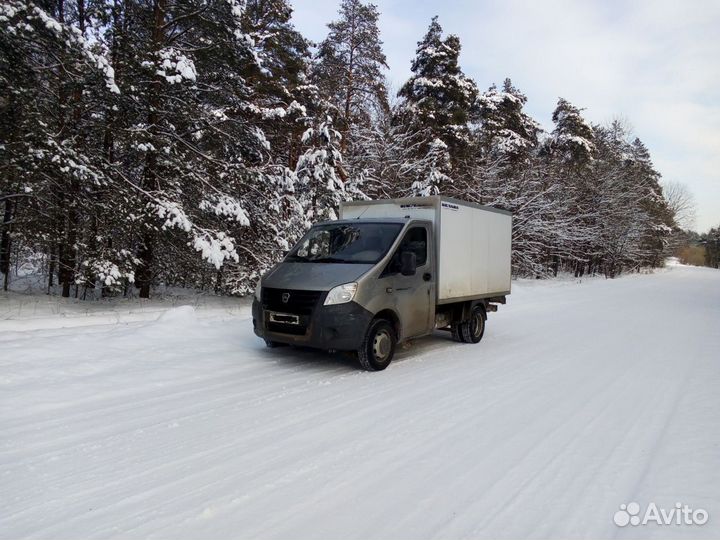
(654, 62)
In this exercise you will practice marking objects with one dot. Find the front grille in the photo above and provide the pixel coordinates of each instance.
(298, 302)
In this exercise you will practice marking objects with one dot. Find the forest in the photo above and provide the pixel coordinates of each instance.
(190, 143)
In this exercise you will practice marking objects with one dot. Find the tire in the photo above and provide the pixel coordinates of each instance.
(378, 346)
(272, 344)
(474, 329)
(457, 332)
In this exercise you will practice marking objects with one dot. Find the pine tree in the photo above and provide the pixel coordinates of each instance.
(198, 135)
(439, 100)
(320, 186)
(433, 171)
(349, 68)
(571, 141)
(506, 131)
(570, 152)
(650, 198)
(282, 86)
(386, 160)
(48, 154)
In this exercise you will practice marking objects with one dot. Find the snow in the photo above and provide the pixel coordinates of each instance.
(224, 205)
(174, 215)
(146, 147)
(24, 311)
(175, 66)
(109, 274)
(582, 396)
(215, 248)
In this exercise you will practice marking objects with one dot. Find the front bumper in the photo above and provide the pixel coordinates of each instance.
(340, 327)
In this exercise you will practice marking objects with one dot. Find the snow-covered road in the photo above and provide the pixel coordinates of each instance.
(581, 397)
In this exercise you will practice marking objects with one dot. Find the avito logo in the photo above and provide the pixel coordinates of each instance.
(680, 514)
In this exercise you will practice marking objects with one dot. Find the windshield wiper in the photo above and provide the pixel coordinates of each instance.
(297, 258)
(328, 260)
(341, 261)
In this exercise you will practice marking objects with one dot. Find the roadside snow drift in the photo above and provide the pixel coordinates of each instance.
(581, 397)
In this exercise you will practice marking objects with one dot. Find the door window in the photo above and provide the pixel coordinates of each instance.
(415, 240)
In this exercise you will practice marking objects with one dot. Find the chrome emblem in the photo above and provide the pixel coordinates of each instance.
(285, 297)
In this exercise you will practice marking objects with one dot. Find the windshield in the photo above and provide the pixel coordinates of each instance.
(358, 243)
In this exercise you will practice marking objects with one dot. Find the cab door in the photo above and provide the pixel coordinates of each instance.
(413, 296)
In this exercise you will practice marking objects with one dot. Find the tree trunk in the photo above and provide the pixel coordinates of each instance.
(150, 177)
(218, 281)
(68, 252)
(63, 278)
(51, 267)
(144, 274)
(6, 243)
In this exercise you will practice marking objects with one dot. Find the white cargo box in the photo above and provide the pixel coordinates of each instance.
(473, 242)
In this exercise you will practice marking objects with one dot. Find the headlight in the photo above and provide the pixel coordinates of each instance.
(341, 294)
(257, 290)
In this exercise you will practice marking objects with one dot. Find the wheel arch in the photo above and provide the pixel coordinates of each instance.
(390, 315)
(467, 308)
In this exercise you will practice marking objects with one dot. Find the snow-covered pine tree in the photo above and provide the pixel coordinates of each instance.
(386, 157)
(349, 69)
(282, 87)
(571, 142)
(319, 184)
(433, 171)
(506, 131)
(196, 138)
(616, 220)
(570, 150)
(285, 103)
(53, 79)
(631, 218)
(438, 99)
(651, 201)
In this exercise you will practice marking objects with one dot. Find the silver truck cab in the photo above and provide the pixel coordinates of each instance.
(343, 274)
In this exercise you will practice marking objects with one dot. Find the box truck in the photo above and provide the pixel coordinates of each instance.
(385, 272)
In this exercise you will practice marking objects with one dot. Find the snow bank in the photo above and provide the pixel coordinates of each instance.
(180, 315)
(25, 312)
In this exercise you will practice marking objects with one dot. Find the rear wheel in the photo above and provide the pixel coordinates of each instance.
(457, 332)
(473, 329)
(378, 346)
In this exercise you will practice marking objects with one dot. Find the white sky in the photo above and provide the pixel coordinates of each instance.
(654, 62)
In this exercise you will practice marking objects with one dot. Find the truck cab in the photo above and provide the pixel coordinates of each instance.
(363, 284)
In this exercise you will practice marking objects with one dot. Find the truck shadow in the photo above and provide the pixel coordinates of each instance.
(316, 360)
(438, 341)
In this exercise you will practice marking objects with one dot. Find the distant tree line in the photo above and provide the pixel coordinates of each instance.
(190, 143)
(698, 249)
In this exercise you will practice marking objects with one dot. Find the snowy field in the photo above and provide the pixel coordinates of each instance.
(580, 398)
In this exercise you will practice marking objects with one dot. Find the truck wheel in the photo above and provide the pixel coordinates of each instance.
(473, 330)
(457, 332)
(378, 346)
(272, 344)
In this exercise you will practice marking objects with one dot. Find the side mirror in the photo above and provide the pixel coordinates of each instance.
(408, 263)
